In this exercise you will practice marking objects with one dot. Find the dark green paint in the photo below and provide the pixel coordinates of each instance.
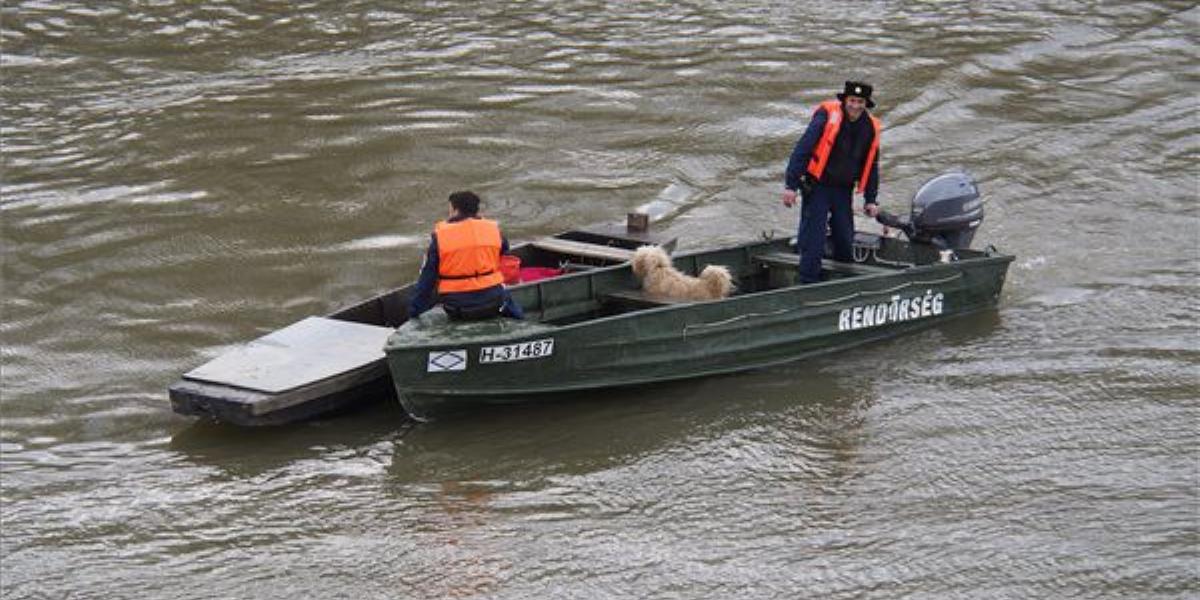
(604, 341)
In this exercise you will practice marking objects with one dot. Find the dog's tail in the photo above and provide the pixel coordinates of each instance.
(718, 280)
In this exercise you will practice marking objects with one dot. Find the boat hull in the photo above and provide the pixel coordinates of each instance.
(672, 341)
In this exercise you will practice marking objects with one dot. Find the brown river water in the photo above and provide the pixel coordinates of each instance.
(179, 177)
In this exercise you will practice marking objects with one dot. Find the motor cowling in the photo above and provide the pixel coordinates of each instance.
(945, 212)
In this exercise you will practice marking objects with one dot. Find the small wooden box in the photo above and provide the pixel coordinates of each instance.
(637, 222)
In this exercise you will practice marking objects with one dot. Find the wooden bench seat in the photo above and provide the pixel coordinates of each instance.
(573, 248)
(787, 259)
(638, 298)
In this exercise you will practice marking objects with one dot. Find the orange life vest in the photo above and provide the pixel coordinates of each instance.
(820, 157)
(468, 255)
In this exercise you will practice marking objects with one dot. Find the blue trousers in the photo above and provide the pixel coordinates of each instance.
(511, 308)
(826, 207)
(483, 301)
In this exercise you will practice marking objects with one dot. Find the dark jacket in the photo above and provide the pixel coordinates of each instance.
(423, 296)
(845, 161)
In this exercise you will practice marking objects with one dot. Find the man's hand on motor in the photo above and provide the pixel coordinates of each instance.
(871, 210)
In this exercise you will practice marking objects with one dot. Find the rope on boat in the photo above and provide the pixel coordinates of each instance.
(887, 291)
(861, 253)
(821, 303)
(891, 263)
(736, 319)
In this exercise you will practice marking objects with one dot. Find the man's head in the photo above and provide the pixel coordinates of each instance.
(856, 97)
(464, 204)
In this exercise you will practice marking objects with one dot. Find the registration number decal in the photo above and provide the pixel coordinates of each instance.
(521, 351)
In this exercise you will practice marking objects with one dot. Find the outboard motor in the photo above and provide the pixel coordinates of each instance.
(946, 211)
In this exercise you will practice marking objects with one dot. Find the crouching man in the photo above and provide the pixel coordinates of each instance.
(463, 263)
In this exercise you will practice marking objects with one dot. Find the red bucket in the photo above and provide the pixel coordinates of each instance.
(510, 268)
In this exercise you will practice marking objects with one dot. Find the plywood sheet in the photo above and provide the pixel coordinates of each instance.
(300, 354)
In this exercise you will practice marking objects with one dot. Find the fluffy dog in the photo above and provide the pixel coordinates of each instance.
(660, 278)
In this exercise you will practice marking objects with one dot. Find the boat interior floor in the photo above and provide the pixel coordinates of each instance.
(776, 270)
(762, 272)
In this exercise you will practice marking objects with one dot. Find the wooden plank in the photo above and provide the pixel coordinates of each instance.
(622, 236)
(298, 355)
(573, 248)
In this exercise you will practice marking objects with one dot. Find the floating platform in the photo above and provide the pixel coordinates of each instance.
(314, 366)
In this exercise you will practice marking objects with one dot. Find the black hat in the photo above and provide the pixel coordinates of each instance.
(860, 89)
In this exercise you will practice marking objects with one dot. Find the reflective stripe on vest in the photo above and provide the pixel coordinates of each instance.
(820, 157)
(468, 255)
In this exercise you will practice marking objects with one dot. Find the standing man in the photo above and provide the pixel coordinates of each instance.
(463, 261)
(839, 150)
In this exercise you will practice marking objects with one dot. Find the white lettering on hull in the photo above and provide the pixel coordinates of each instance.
(896, 310)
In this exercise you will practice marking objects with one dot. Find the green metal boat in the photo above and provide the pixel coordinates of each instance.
(598, 329)
(593, 327)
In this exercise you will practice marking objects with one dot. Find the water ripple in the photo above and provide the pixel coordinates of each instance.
(178, 177)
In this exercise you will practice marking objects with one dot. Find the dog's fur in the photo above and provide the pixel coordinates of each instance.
(660, 278)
